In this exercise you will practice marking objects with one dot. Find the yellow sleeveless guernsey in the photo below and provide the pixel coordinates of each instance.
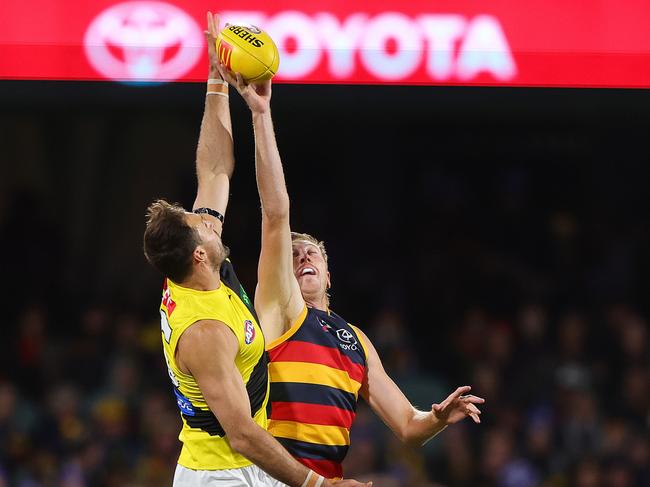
(205, 446)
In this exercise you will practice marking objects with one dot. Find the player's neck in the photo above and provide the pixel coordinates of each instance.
(203, 279)
(317, 302)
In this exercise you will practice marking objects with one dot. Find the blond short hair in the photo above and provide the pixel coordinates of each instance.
(296, 236)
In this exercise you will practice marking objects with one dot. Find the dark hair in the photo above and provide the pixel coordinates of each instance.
(169, 241)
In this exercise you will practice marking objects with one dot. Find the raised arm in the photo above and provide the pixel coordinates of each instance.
(207, 350)
(278, 300)
(410, 425)
(215, 160)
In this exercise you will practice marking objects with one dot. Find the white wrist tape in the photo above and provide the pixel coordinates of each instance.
(306, 482)
(313, 482)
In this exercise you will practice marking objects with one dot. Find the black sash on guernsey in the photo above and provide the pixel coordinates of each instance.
(229, 278)
(256, 387)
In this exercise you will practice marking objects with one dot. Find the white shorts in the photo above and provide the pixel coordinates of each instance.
(251, 476)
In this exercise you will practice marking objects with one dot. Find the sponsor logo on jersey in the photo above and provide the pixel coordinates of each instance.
(345, 336)
(348, 342)
(249, 332)
(184, 403)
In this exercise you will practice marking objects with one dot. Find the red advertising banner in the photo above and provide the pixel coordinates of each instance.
(602, 43)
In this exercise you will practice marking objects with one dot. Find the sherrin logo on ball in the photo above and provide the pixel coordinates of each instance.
(248, 50)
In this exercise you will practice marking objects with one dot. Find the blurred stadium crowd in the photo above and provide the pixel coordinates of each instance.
(568, 403)
(482, 264)
(85, 398)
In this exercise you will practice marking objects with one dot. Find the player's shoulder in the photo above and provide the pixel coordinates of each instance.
(343, 320)
(363, 339)
(207, 331)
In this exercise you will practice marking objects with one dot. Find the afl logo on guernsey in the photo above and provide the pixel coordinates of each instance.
(249, 332)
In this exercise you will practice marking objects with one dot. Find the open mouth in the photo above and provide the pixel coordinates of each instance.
(307, 271)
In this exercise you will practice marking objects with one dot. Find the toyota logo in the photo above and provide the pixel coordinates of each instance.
(143, 41)
(345, 336)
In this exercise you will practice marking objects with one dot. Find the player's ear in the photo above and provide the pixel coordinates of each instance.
(329, 281)
(199, 255)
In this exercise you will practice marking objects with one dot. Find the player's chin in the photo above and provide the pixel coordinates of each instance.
(309, 284)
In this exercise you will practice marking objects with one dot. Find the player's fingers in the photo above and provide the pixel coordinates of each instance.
(210, 40)
(225, 74)
(230, 79)
(454, 396)
(474, 399)
(475, 418)
(210, 22)
(459, 392)
(240, 81)
(216, 23)
(473, 409)
(212, 47)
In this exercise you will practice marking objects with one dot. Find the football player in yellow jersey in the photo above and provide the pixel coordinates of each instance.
(212, 344)
(292, 274)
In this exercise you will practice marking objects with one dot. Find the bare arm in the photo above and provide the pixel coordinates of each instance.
(278, 300)
(278, 296)
(410, 425)
(215, 160)
(207, 350)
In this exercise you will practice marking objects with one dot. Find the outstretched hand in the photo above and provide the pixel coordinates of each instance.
(457, 406)
(211, 39)
(257, 95)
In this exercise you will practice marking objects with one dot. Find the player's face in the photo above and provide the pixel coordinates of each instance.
(310, 268)
(208, 227)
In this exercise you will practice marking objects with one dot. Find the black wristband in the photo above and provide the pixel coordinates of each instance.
(210, 212)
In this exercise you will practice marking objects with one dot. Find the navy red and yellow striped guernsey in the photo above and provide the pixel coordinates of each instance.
(316, 370)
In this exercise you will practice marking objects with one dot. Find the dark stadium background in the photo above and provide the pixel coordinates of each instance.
(494, 237)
